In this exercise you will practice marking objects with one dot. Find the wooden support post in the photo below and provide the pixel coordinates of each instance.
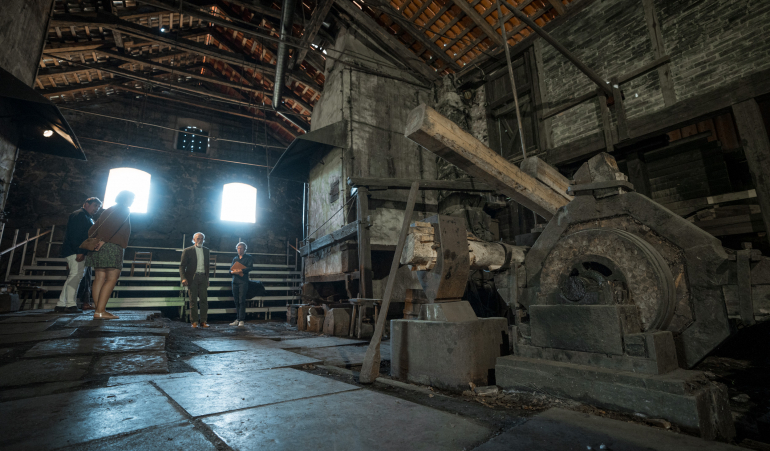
(606, 125)
(659, 49)
(620, 110)
(756, 146)
(23, 255)
(364, 244)
(443, 137)
(13, 251)
(745, 304)
(638, 175)
(370, 368)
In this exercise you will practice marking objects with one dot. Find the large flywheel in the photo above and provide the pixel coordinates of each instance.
(610, 266)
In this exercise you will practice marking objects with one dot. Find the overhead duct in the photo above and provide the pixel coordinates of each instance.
(287, 20)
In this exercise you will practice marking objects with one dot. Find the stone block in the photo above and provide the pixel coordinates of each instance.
(337, 322)
(685, 398)
(589, 328)
(447, 355)
(9, 302)
(448, 311)
(302, 313)
(315, 323)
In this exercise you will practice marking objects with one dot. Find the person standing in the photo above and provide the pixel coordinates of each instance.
(77, 231)
(194, 271)
(112, 229)
(241, 282)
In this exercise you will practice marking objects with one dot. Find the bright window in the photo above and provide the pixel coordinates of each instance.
(128, 179)
(239, 203)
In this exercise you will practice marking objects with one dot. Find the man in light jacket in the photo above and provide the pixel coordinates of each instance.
(77, 231)
(194, 271)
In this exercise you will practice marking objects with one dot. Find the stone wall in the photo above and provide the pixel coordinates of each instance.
(710, 42)
(185, 193)
(22, 31)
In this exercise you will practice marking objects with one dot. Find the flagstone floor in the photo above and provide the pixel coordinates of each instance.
(145, 382)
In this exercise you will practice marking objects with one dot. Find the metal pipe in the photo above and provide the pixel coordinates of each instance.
(513, 82)
(287, 20)
(563, 50)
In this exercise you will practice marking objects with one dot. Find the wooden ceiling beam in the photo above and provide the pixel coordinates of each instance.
(151, 34)
(558, 6)
(409, 27)
(322, 10)
(485, 27)
(386, 39)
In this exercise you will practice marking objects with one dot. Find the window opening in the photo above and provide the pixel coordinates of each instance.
(128, 179)
(239, 203)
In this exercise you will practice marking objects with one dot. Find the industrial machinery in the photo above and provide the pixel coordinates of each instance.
(616, 300)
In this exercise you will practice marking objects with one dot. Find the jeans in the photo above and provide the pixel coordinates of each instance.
(199, 289)
(239, 296)
(69, 291)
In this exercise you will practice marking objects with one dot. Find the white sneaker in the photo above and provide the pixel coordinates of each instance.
(234, 323)
(240, 323)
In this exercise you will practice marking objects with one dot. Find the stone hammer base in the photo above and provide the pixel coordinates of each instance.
(447, 355)
(685, 398)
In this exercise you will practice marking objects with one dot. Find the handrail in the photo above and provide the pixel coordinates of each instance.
(25, 242)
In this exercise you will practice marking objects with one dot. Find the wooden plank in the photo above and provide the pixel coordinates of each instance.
(347, 232)
(419, 35)
(756, 146)
(548, 175)
(659, 49)
(322, 10)
(453, 185)
(638, 174)
(364, 243)
(620, 110)
(606, 125)
(441, 136)
(558, 6)
(569, 104)
(480, 22)
(746, 306)
(387, 40)
(370, 368)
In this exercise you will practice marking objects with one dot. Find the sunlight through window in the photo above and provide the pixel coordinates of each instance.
(239, 203)
(128, 179)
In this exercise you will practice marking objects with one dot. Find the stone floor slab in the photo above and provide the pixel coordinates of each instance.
(355, 420)
(24, 328)
(35, 336)
(319, 342)
(235, 344)
(38, 390)
(252, 360)
(214, 394)
(55, 369)
(177, 437)
(29, 319)
(342, 355)
(119, 329)
(80, 416)
(132, 363)
(133, 379)
(567, 430)
(97, 345)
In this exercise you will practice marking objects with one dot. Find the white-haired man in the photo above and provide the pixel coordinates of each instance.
(194, 271)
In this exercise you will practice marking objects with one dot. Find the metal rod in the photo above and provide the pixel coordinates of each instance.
(510, 73)
(563, 50)
(10, 260)
(34, 249)
(24, 253)
(50, 242)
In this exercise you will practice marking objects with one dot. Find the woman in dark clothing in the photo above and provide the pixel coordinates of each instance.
(241, 283)
(113, 229)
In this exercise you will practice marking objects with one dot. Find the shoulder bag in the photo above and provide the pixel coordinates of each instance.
(91, 243)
